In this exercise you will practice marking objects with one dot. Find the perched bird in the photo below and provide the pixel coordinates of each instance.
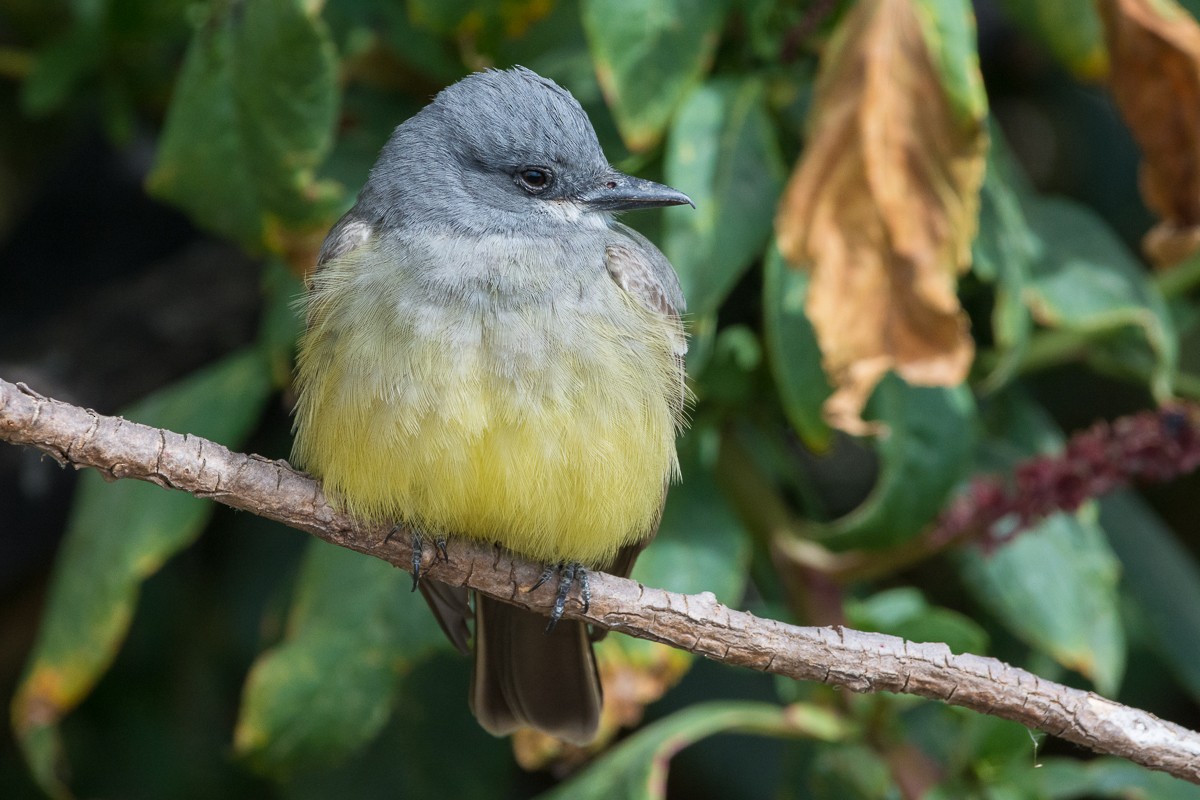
(490, 354)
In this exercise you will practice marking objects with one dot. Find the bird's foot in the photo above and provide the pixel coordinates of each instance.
(569, 573)
(418, 549)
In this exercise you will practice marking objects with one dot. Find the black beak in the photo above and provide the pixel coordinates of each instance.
(617, 191)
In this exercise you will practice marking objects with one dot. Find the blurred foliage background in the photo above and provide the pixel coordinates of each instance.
(167, 172)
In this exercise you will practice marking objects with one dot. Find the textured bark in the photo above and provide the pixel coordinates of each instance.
(862, 662)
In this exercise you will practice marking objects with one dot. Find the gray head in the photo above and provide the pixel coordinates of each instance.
(502, 151)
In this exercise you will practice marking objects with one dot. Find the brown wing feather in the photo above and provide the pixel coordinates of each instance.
(351, 231)
(640, 268)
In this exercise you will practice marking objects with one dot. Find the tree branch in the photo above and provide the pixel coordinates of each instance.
(862, 662)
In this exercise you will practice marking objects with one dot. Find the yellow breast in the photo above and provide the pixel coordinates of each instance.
(547, 427)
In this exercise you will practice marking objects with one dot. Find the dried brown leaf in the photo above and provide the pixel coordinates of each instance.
(1154, 47)
(882, 208)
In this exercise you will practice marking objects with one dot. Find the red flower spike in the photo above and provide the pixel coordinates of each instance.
(1149, 447)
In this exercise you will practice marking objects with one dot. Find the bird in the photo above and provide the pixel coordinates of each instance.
(488, 353)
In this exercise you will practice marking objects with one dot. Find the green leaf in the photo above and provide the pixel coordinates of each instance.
(701, 545)
(928, 446)
(702, 340)
(484, 23)
(850, 771)
(795, 356)
(949, 29)
(556, 46)
(121, 54)
(433, 747)
(1017, 427)
(768, 27)
(427, 54)
(648, 55)
(1100, 779)
(732, 372)
(637, 768)
(1084, 279)
(968, 746)
(446, 17)
(63, 65)
(282, 321)
(376, 114)
(904, 612)
(117, 536)
(1070, 29)
(251, 118)
(1162, 577)
(328, 688)
(723, 154)
(1002, 254)
(1055, 587)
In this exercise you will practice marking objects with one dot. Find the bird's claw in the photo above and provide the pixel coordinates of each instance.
(568, 575)
(418, 552)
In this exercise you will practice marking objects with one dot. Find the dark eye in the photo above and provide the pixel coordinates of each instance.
(535, 180)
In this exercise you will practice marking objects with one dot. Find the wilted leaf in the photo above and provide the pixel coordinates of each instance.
(1155, 78)
(251, 118)
(882, 207)
(648, 54)
(117, 536)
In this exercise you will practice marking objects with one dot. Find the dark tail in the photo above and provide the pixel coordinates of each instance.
(525, 677)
